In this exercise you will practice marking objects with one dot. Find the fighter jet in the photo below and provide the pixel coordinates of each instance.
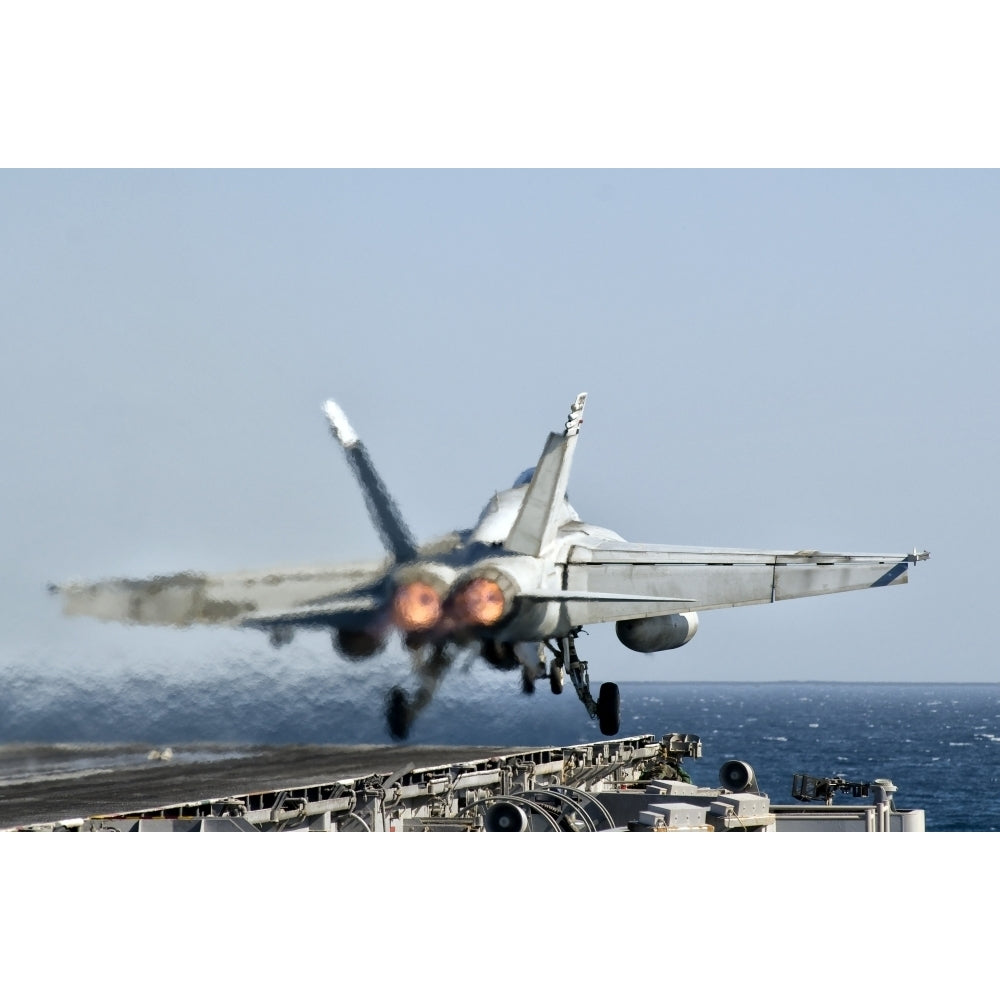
(516, 590)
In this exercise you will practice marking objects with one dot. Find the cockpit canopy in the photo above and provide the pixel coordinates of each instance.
(501, 512)
(525, 478)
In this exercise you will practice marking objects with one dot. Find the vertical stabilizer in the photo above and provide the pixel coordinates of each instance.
(384, 513)
(537, 521)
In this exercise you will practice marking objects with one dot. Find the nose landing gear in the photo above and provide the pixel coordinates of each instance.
(400, 710)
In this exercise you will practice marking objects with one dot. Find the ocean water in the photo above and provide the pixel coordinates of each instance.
(939, 743)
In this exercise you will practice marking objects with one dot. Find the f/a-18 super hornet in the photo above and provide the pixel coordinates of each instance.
(517, 589)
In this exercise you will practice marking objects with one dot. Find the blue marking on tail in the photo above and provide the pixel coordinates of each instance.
(892, 576)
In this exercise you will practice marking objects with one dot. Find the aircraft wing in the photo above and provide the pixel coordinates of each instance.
(240, 598)
(327, 613)
(716, 578)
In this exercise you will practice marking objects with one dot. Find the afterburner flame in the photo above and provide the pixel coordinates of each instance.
(478, 602)
(416, 607)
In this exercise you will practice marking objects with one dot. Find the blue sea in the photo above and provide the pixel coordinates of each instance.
(938, 743)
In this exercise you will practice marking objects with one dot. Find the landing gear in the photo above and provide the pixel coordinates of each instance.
(556, 677)
(429, 665)
(531, 656)
(398, 714)
(431, 660)
(528, 657)
(607, 708)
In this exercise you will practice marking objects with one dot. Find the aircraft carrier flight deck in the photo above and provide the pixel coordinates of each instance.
(632, 784)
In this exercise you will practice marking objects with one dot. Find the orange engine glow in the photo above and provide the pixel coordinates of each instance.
(416, 607)
(479, 602)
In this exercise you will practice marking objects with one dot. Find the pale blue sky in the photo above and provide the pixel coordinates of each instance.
(801, 359)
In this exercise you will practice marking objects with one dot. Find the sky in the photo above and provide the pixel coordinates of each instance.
(774, 358)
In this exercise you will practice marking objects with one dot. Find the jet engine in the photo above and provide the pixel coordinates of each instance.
(418, 598)
(482, 598)
(413, 606)
(653, 635)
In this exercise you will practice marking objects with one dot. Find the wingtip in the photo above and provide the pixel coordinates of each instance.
(339, 424)
(575, 418)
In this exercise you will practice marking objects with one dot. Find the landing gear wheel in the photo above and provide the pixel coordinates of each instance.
(527, 682)
(556, 677)
(609, 713)
(398, 714)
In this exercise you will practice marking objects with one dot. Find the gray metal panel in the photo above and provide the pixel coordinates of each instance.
(702, 585)
(823, 819)
(674, 814)
(743, 805)
(810, 580)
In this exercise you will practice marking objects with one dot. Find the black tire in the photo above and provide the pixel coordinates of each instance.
(397, 714)
(609, 709)
(556, 677)
(527, 684)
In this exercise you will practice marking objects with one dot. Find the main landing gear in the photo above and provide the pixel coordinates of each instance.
(607, 708)
(431, 662)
